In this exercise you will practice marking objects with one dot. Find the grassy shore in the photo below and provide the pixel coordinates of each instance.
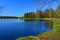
(49, 35)
(37, 18)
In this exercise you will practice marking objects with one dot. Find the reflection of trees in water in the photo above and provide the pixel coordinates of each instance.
(49, 24)
(28, 20)
(31, 20)
(38, 23)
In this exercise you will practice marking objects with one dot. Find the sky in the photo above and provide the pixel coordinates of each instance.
(19, 7)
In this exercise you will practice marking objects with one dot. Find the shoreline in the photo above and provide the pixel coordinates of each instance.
(1, 17)
(51, 34)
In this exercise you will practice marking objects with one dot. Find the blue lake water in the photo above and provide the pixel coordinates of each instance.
(10, 29)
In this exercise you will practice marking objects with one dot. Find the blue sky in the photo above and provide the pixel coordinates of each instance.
(19, 7)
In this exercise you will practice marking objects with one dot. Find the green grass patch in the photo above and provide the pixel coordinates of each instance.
(28, 38)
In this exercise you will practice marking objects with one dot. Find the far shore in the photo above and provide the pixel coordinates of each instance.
(8, 17)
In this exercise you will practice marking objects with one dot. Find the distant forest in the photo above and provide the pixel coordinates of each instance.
(47, 13)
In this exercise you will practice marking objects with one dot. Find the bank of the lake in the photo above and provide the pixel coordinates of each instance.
(9, 17)
(49, 35)
(37, 18)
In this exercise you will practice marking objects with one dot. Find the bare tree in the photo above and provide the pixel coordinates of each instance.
(44, 3)
(1, 8)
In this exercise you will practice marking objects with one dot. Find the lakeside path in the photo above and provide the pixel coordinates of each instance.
(49, 35)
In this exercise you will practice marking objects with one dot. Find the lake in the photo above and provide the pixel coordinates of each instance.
(10, 29)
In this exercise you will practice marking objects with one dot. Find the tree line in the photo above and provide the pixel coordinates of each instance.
(47, 13)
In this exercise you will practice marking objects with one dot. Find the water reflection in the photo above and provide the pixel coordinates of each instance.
(48, 23)
(29, 20)
(18, 28)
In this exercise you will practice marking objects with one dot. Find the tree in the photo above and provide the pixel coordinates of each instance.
(46, 13)
(1, 8)
(51, 12)
(58, 12)
(29, 15)
(38, 14)
(26, 15)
